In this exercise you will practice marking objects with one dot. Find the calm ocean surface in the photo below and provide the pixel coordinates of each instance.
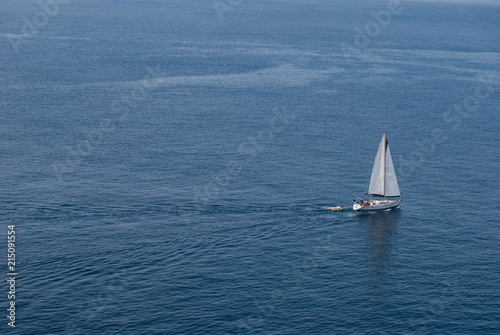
(169, 166)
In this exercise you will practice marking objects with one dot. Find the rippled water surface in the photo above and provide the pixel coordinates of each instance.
(169, 166)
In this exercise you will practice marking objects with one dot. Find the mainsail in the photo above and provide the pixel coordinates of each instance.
(383, 181)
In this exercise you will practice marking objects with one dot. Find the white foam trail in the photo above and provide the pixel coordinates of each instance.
(285, 75)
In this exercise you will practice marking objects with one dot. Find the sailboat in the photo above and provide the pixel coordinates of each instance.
(383, 183)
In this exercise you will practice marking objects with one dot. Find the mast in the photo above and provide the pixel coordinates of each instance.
(384, 159)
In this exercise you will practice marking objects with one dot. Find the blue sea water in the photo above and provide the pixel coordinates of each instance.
(169, 165)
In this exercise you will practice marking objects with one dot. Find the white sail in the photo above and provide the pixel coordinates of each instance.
(383, 181)
(377, 179)
(391, 182)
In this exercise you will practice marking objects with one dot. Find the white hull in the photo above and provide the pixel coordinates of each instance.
(376, 204)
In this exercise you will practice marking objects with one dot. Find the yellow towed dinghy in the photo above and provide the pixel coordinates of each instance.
(336, 208)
